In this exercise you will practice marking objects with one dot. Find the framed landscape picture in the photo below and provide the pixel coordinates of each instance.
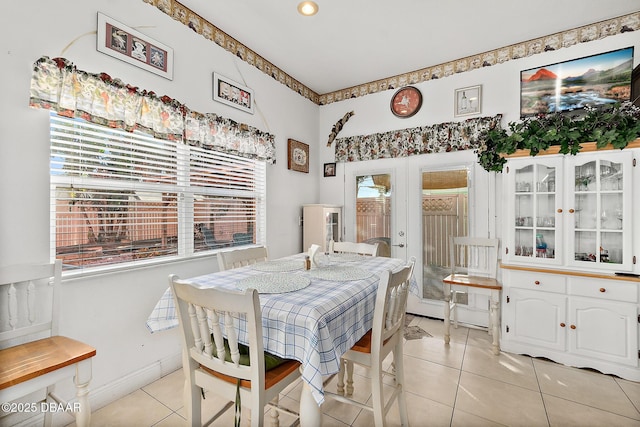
(124, 43)
(591, 81)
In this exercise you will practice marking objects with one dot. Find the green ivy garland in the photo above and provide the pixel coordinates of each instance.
(616, 125)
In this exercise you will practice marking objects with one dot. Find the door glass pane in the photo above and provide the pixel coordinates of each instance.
(373, 211)
(444, 213)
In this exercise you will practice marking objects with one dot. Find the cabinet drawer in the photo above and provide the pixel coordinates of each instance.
(601, 288)
(536, 281)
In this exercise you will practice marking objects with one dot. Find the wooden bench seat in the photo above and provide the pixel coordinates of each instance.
(30, 360)
(33, 357)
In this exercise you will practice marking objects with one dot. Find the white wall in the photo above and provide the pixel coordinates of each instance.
(109, 311)
(500, 95)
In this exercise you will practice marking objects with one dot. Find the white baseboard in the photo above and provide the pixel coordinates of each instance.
(109, 393)
(101, 396)
(121, 387)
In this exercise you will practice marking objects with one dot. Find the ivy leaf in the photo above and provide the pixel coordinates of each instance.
(617, 125)
(609, 136)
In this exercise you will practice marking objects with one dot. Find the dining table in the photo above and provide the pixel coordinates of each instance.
(313, 316)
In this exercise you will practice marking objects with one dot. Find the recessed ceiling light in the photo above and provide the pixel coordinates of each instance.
(308, 8)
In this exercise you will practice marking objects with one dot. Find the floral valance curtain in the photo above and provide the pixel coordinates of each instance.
(57, 85)
(454, 136)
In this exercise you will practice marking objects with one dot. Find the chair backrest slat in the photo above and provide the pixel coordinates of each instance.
(475, 256)
(232, 338)
(223, 311)
(203, 326)
(217, 335)
(370, 249)
(241, 257)
(391, 302)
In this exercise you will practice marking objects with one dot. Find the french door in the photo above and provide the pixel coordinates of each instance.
(411, 206)
(375, 206)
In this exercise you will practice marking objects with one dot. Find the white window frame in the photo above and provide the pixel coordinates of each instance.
(191, 182)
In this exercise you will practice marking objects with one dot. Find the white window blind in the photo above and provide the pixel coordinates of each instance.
(120, 197)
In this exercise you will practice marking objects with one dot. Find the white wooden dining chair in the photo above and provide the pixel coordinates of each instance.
(385, 337)
(241, 257)
(370, 249)
(214, 360)
(474, 264)
(33, 357)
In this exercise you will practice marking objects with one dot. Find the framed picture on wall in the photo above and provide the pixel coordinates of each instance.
(468, 101)
(298, 156)
(591, 81)
(131, 46)
(231, 93)
(329, 169)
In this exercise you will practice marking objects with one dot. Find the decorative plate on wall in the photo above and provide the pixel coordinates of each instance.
(298, 156)
(406, 101)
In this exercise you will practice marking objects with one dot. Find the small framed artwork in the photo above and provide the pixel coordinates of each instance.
(124, 43)
(298, 156)
(231, 93)
(468, 101)
(329, 169)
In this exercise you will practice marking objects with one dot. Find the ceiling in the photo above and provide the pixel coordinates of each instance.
(352, 42)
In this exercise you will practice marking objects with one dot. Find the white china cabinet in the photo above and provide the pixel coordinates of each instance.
(573, 210)
(568, 230)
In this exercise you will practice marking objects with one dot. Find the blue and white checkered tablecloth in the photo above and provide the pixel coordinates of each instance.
(314, 325)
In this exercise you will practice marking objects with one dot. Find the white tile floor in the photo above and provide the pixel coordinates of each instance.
(463, 384)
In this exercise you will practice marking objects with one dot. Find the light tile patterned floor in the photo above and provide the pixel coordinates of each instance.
(462, 384)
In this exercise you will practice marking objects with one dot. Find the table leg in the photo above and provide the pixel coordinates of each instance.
(447, 313)
(310, 411)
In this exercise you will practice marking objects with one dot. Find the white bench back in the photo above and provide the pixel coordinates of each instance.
(28, 302)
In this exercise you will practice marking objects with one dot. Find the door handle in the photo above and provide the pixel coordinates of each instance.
(401, 245)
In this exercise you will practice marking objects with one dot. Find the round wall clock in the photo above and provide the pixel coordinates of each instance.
(406, 101)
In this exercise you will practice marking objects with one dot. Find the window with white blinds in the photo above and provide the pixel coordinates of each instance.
(120, 198)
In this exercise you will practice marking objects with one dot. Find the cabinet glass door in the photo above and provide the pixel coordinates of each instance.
(601, 211)
(536, 234)
(332, 227)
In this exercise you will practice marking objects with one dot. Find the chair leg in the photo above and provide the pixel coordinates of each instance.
(494, 324)
(447, 313)
(192, 394)
(193, 403)
(454, 306)
(275, 414)
(257, 412)
(349, 378)
(377, 396)
(340, 386)
(398, 360)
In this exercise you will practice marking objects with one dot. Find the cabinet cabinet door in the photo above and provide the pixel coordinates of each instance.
(321, 223)
(606, 330)
(536, 318)
(599, 210)
(533, 216)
